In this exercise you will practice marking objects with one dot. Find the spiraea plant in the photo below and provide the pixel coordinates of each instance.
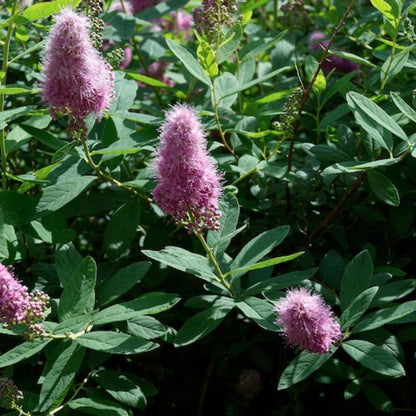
(217, 218)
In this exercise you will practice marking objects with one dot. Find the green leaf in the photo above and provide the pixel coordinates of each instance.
(121, 282)
(352, 57)
(122, 228)
(161, 9)
(189, 62)
(338, 86)
(219, 240)
(120, 27)
(260, 80)
(384, 188)
(232, 40)
(393, 66)
(404, 312)
(74, 324)
(405, 108)
(388, 8)
(377, 397)
(207, 58)
(365, 107)
(200, 325)
(259, 311)
(266, 263)
(17, 209)
(146, 327)
(78, 296)
(115, 342)
(259, 247)
(96, 406)
(223, 84)
(356, 278)
(121, 388)
(352, 389)
(60, 375)
(45, 137)
(41, 10)
(9, 115)
(147, 80)
(352, 166)
(125, 94)
(185, 261)
(121, 147)
(280, 282)
(18, 89)
(373, 357)
(56, 196)
(254, 49)
(4, 251)
(149, 303)
(325, 153)
(23, 351)
(67, 260)
(357, 307)
(137, 117)
(392, 291)
(301, 367)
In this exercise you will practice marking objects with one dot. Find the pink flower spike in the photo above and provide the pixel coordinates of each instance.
(307, 321)
(77, 79)
(189, 183)
(18, 306)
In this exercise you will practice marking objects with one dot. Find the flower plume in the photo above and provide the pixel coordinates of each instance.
(189, 184)
(18, 306)
(77, 79)
(307, 321)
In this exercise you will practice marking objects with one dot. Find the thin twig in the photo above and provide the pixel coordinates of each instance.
(310, 86)
(337, 208)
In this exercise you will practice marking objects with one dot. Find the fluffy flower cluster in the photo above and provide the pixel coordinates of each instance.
(338, 63)
(307, 321)
(189, 184)
(77, 79)
(18, 306)
(9, 393)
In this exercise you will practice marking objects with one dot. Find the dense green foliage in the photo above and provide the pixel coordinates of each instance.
(318, 191)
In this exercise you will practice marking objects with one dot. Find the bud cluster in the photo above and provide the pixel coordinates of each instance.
(92, 9)
(213, 15)
(9, 393)
(290, 113)
(249, 384)
(294, 14)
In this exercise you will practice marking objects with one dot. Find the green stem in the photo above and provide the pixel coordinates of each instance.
(391, 58)
(214, 262)
(217, 120)
(21, 411)
(275, 10)
(318, 121)
(77, 390)
(109, 178)
(5, 64)
(254, 170)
